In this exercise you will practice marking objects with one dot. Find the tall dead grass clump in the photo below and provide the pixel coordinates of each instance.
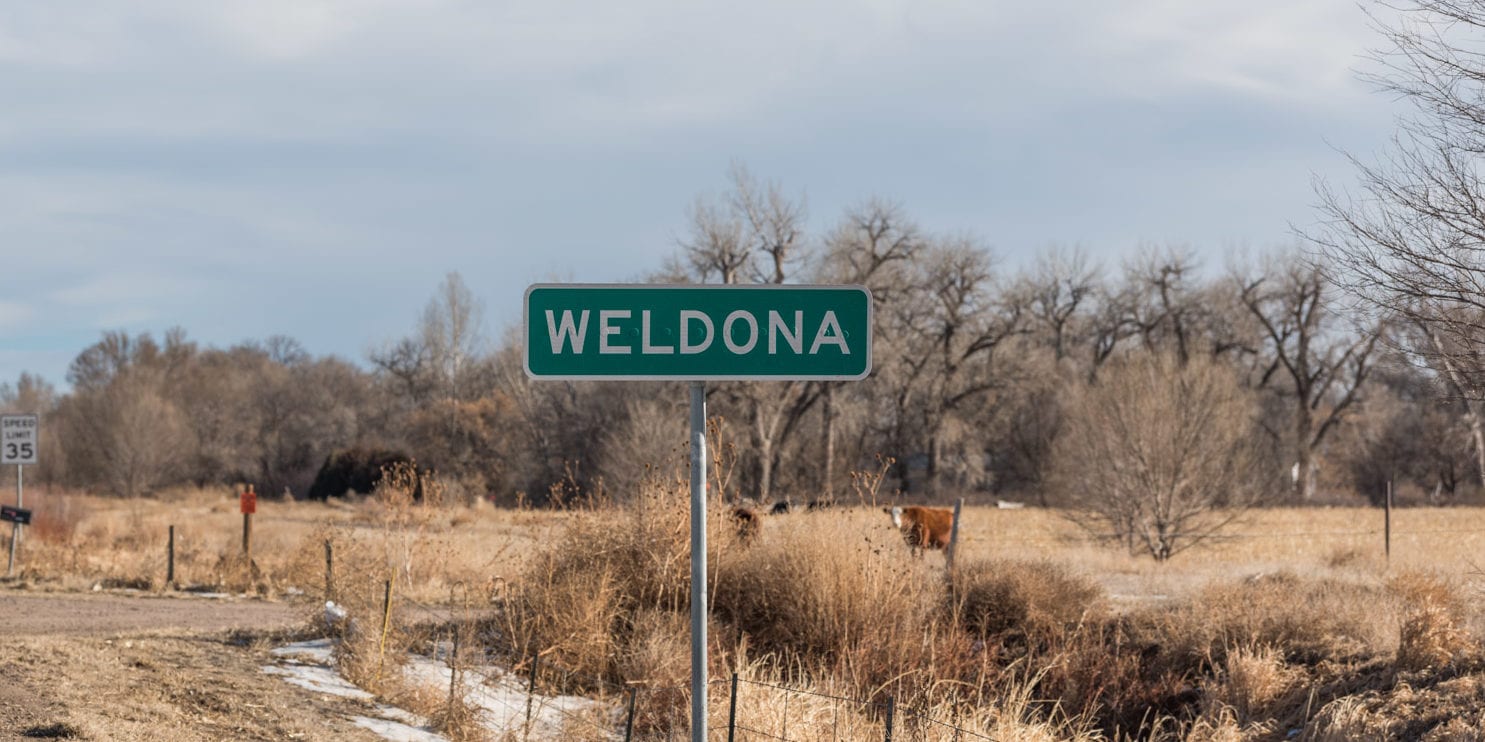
(376, 572)
(1307, 620)
(1252, 686)
(785, 701)
(597, 599)
(54, 519)
(817, 591)
(1038, 601)
(1432, 623)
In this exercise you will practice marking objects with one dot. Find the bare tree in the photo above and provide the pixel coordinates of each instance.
(1158, 453)
(874, 246)
(1412, 243)
(717, 245)
(756, 234)
(1322, 366)
(1062, 283)
(1449, 364)
(32, 394)
(1164, 305)
(775, 223)
(951, 326)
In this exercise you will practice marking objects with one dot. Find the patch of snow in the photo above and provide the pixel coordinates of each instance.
(499, 698)
(319, 679)
(396, 730)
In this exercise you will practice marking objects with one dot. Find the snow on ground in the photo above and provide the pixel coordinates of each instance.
(498, 697)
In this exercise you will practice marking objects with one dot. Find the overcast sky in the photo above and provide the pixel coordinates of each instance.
(314, 168)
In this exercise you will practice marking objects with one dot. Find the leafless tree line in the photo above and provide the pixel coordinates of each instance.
(979, 372)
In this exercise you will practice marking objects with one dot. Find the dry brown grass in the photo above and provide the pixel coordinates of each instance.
(1254, 685)
(1285, 625)
(1432, 631)
(1038, 600)
(435, 550)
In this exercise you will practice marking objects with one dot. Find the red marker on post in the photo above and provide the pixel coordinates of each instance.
(249, 502)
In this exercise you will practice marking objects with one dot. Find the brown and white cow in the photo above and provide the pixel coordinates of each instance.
(923, 528)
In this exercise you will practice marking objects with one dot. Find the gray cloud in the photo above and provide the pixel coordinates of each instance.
(313, 167)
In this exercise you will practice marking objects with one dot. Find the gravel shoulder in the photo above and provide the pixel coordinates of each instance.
(125, 667)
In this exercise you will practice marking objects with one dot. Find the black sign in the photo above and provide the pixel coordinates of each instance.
(15, 515)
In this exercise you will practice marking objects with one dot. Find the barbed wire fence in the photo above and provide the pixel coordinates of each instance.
(756, 710)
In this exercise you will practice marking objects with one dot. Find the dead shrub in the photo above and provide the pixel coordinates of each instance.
(818, 590)
(1105, 672)
(583, 598)
(54, 519)
(1036, 600)
(1307, 620)
(374, 645)
(1432, 625)
(656, 651)
(1253, 683)
(1433, 709)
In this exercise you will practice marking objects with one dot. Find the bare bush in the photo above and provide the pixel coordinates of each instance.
(1432, 625)
(1035, 600)
(1159, 454)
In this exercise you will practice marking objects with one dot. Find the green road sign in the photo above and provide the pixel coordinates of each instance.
(697, 332)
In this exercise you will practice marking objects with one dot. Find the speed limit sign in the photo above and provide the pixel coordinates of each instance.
(18, 439)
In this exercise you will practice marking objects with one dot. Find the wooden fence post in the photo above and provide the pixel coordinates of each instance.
(329, 571)
(1387, 524)
(951, 552)
(381, 648)
(453, 665)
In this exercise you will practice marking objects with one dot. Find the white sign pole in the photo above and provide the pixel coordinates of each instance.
(698, 562)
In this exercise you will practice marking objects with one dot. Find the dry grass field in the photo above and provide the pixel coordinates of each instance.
(1293, 621)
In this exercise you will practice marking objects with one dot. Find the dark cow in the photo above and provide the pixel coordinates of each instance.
(359, 470)
(783, 507)
(749, 524)
(923, 528)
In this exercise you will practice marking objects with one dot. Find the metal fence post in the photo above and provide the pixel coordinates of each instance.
(732, 709)
(891, 707)
(170, 560)
(530, 696)
(629, 723)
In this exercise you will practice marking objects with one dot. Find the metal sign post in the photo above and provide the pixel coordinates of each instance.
(697, 333)
(15, 526)
(698, 560)
(18, 446)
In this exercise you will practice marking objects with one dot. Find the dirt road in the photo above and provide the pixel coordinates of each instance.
(30, 614)
(126, 667)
